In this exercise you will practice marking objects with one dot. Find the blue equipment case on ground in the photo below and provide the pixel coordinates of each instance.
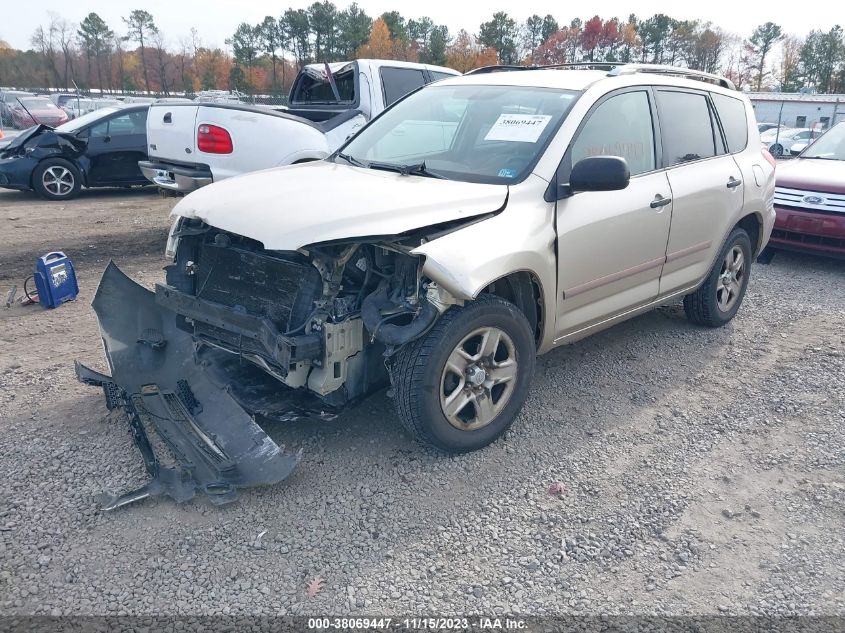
(55, 279)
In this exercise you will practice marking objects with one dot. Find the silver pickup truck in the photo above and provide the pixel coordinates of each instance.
(193, 144)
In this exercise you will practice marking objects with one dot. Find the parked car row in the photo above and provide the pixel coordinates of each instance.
(21, 110)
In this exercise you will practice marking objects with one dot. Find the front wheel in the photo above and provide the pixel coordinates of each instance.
(56, 179)
(461, 386)
(717, 300)
(776, 150)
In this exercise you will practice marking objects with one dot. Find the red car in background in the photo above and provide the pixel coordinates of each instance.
(810, 199)
(29, 111)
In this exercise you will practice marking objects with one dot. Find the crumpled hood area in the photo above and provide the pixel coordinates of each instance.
(287, 208)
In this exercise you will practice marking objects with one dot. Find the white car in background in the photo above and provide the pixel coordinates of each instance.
(778, 142)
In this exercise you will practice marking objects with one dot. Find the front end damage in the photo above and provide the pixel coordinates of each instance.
(238, 333)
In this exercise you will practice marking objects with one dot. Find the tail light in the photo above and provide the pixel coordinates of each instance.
(769, 158)
(213, 139)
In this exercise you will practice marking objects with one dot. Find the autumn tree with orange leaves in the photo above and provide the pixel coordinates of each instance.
(465, 53)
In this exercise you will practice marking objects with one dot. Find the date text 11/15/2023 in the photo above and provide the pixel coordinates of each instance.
(417, 624)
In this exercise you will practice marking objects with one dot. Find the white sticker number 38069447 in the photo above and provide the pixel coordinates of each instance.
(523, 128)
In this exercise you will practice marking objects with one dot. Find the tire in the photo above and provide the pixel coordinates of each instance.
(421, 378)
(776, 150)
(716, 302)
(56, 179)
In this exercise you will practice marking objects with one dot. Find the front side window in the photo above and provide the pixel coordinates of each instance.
(621, 126)
(489, 134)
(123, 125)
(78, 123)
(398, 82)
(686, 127)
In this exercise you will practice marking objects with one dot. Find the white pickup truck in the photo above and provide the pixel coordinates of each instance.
(193, 144)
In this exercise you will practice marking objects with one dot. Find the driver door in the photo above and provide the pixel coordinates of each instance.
(612, 244)
(114, 148)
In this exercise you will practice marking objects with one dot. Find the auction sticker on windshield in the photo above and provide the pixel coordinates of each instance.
(522, 128)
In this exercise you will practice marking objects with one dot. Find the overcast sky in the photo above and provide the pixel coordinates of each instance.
(216, 19)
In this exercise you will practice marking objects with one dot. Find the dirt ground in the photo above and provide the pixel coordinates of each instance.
(696, 471)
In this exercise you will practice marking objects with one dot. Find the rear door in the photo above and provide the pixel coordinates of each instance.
(171, 132)
(707, 185)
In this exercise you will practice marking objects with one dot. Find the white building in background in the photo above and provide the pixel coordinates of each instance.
(793, 109)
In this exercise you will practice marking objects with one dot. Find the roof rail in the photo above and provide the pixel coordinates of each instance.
(615, 69)
(497, 69)
(673, 71)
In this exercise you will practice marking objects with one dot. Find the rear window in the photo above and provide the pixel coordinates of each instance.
(734, 122)
(686, 127)
(318, 90)
(398, 82)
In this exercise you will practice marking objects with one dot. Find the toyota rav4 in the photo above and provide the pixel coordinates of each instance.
(476, 223)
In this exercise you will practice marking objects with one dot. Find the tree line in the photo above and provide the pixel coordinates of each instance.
(264, 57)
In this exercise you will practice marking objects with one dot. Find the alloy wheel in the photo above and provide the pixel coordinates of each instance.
(478, 378)
(731, 278)
(58, 180)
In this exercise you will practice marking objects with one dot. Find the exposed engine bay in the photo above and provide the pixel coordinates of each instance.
(251, 332)
(320, 319)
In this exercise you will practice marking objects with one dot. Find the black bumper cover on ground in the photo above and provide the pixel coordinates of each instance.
(196, 400)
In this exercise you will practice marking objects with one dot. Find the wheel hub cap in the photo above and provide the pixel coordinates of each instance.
(476, 376)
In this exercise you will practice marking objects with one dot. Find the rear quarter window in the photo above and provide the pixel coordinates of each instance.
(734, 121)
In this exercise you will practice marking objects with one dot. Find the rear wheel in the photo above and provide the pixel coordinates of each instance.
(461, 386)
(717, 300)
(56, 179)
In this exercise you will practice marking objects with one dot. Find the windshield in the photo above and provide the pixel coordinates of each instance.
(830, 145)
(487, 134)
(38, 104)
(80, 122)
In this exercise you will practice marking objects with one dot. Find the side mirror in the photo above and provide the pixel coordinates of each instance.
(599, 173)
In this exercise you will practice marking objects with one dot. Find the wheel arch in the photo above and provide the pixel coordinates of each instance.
(753, 225)
(523, 289)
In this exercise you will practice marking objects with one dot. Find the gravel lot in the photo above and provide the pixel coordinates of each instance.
(658, 468)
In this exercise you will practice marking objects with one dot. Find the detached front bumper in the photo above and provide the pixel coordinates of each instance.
(201, 402)
(175, 177)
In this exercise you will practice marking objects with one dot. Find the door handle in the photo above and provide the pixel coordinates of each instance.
(733, 183)
(659, 202)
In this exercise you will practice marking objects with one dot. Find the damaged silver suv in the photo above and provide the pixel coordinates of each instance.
(478, 222)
